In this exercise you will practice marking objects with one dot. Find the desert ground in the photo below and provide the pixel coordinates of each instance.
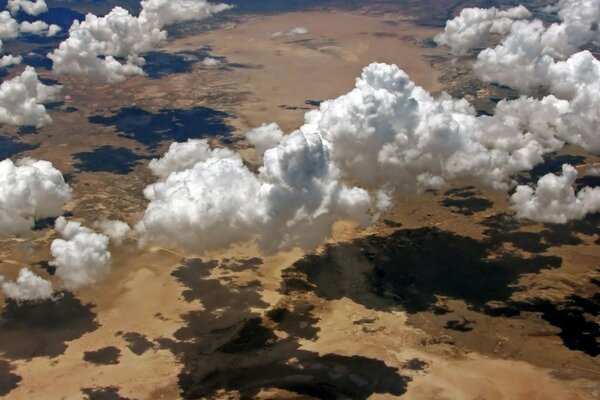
(445, 298)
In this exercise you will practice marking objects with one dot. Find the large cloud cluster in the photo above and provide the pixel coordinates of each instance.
(554, 199)
(81, 257)
(29, 189)
(22, 100)
(294, 199)
(108, 48)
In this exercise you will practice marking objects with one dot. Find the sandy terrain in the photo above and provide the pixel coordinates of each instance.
(183, 314)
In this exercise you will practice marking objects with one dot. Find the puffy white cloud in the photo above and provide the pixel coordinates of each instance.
(9, 59)
(9, 27)
(472, 28)
(211, 62)
(554, 199)
(389, 132)
(183, 156)
(27, 287)
(30, 7)
(115, 230)
(293, 200)
(29, 189)
(81, 257)
(38, 28)
(265, 137)
(22, 100)
(94, 44)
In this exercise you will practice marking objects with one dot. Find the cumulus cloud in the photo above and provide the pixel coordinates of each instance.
(9, 60)
(386, 134)
(265, 137)
(300, 30)
(473, 27)
(294, 199)
(22, 100)
(27, 287)
(39, 28)
(211, 62)
(9, 27)
(554, 200)
(81, 257)
(115, 230)
(30, 7)
(96, 45)
(29, 189)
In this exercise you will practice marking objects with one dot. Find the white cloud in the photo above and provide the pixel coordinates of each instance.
(29, 189)
(298, 31)
(81, 257)
(183, 156)
(27, 287)
(36, 7)
(39, 28)
(9, 59)
(22, 100)
(554, 199)
(265, 137)
(9, 27)
(472, 28)
(210, 62)
(115, 230)
(293, 201)
(94, 44)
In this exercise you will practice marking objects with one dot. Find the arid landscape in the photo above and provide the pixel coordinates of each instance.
(447, 295)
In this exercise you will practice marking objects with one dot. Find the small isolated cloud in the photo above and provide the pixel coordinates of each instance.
(9, 60)
(81, 257)
(9, 27)
(22, 100)
(39, 28)
(211, 62)
(109, 48)
(265, 137)
(27, 287)
(29, 189)
(300, 30)
(554, 200)
(36, 7)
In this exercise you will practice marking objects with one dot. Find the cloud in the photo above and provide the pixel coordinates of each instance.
(115, 230)
(36, 7)
(27, 287)
(300, 30)
(29, 189)
(265, 137)
(293, 201)
(96, 45)
(38, 28)
(9, 27)
(9, 59)
(211, 62)
(81, 257)
(473, 27)
(22, 100)
(554, 200)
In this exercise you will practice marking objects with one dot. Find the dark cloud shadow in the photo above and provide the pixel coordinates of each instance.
(9, 381)
(103, 393)
(177, 125)
(43, 329)
(465, 201)
(105, 356)
(10, 147)
(117, 160)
